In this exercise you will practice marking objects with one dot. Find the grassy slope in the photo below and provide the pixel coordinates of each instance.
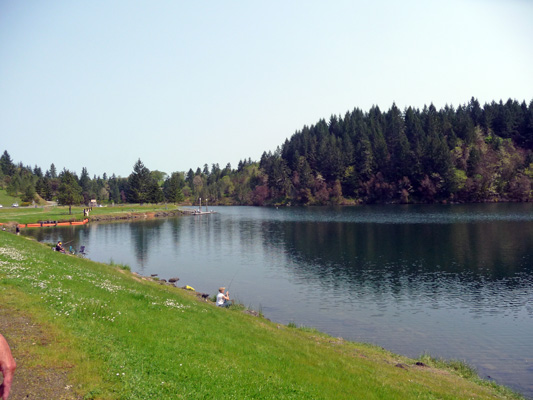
(134, 339)
(7, 200)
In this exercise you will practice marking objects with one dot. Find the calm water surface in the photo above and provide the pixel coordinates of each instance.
(452, 281)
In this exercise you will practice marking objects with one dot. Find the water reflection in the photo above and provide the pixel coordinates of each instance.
(145, 236)
(471, 265)
(474, 251)
(456, 281)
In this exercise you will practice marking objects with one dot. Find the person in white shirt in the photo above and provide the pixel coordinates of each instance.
(223, 298)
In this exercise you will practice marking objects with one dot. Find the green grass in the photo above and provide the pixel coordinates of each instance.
(124, 267)
(130, 209)
(29, 215)
(7, 200)
(127, 338)
(23, 215)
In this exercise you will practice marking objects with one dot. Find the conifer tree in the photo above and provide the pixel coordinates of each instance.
(69, 192)
(6, 164)
(53, 171)
(140, 180)
(172, 188)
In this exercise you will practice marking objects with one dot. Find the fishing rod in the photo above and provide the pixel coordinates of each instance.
(234, 275)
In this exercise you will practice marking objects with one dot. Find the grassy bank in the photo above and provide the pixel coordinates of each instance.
(61, 213)
(121, 337)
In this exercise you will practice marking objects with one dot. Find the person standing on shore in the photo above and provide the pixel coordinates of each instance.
(7, 368)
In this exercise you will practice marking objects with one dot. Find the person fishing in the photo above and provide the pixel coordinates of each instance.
(223, 299)
(59, 247)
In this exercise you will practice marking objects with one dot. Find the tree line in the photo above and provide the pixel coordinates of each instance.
(471, 153)
(467, 154)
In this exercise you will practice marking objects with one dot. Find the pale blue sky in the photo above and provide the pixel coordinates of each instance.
(99, 84)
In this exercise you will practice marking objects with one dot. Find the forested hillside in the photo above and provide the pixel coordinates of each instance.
(464, 154)
(467, 154)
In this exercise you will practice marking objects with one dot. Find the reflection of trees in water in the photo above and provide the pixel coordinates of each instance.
(83, 234)
(491, 251)
(175, 229)
(69, 235)
(144, 235)
(476, 262)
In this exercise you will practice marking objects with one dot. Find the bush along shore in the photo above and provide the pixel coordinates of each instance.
(86, 330)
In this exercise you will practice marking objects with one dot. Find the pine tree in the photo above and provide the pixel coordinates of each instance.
(38, 172)
(6, 164)
(85, 183)
(53, 171)
(400, 154)
(114, 190)
(140, 189)
(69, 190)
(155, 194)
(172, 188)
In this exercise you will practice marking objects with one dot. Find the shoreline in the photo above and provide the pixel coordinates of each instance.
(390, 367)
(119, 216)
(136, 215)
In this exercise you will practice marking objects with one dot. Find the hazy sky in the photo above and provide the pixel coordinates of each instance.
(178, 84)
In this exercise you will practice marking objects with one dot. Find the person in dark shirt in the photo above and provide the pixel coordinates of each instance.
(59, 247)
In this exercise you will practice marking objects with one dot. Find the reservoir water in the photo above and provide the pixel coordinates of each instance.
(453, 281)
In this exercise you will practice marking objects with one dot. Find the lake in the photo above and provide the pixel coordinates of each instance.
(453, 281)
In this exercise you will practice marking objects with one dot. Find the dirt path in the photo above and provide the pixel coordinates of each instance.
(32, 379)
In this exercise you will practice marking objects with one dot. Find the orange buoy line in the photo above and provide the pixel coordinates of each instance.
(47, 224)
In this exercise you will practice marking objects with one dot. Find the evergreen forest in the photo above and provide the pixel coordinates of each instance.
(471, 153)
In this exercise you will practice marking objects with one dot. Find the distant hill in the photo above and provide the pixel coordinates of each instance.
(468, 154)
